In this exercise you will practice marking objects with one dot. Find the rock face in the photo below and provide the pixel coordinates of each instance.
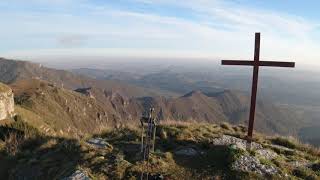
(6, 102)
(85, 91)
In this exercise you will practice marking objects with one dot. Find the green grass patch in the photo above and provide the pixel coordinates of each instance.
(286, 142)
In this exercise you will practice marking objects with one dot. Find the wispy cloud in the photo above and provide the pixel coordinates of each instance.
(72, 40)
(216, 29)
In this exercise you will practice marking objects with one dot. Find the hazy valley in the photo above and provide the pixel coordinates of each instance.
(58, 111)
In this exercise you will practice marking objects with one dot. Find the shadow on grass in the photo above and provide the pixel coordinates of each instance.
(210, 161)
(37, 157)
(45, 157)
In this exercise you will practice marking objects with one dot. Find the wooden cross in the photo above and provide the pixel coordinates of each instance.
(255, 63)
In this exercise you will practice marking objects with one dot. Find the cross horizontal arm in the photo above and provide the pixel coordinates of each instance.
(237, 62)
(261, 63)
(276, 64)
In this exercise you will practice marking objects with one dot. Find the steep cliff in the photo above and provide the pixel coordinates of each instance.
(6, 102)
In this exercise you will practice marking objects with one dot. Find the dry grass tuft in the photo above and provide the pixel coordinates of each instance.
(11, 144)
(294, 143)
(289, 142)
(176, 123)
(226, 126)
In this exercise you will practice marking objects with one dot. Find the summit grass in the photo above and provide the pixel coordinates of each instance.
(38, 155)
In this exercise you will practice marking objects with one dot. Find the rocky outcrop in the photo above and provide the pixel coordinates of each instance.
(6, 102)
(85, 91)
(248, 163)
(227, 140)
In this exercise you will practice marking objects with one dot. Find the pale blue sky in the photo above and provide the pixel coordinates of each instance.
(160, 28)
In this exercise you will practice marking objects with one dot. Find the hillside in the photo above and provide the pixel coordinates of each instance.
(90, 109)
(230, 106)
(70, 112)
(194, 106)
(192, 151)
(87, 110)
(269, 118)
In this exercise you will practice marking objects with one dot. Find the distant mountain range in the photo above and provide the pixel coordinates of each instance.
(59, 101)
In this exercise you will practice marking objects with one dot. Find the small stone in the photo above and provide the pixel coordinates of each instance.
(99, 143)
(233, 146)
(101, 157)
(163, 134)
(78, 175)
(187, 152)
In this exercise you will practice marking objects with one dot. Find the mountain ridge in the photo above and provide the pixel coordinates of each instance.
(12, 70)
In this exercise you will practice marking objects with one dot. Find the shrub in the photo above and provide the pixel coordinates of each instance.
(316, 167)
(233, 154)
(304, 173)
(266, 162)
(125, 134)
(70, 146)
(11, 144)
(163, 134)
(22, 126)
(19, 135)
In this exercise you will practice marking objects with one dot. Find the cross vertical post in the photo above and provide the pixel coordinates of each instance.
(254, 85)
